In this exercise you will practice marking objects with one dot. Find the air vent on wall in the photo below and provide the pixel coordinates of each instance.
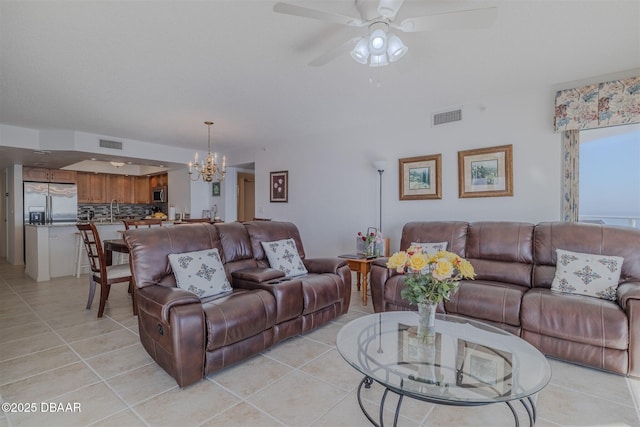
(445, 117)
(114, 145)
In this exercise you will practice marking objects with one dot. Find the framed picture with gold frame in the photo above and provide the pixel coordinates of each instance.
(486, 172)
(421, 177)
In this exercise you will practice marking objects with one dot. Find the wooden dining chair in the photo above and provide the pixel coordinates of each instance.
(137, 223)
(101, 273)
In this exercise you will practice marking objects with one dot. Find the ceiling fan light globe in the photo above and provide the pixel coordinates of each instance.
(378, 60)
(377, 42)
(396, 49)
(358, 57)
(360, 52)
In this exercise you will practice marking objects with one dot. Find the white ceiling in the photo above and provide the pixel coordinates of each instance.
(155, 71)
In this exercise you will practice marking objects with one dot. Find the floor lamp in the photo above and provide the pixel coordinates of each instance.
(380, 166)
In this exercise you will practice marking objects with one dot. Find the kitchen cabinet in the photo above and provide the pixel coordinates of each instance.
(161, 180)
(121, 188)
(48, 175)
(92, 188)
(142, 190)
(102, 188)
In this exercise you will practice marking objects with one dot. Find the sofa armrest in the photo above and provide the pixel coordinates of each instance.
(380, 273)
(382, 262)
(159, 300)
(172, 329)
(379, 276)
(324, 265)
(629, 301)
(626, 292)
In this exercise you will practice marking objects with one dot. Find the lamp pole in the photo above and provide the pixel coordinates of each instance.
(380, 165)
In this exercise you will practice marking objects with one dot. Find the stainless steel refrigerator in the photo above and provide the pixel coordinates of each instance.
(46, 203)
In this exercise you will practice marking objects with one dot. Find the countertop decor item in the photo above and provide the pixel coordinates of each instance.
(369, 243)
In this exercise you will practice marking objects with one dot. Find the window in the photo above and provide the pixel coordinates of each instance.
(609, 177)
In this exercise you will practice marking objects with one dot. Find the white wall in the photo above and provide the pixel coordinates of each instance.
(333, 186)
(4, 243)
(15, 229)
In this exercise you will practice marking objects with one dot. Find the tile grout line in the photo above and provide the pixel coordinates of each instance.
(82, 359)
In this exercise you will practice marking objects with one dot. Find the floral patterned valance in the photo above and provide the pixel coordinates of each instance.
(598, 105)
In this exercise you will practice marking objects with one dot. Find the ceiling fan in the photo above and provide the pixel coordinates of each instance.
(380, 46)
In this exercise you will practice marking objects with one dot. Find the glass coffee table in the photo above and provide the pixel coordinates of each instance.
(469, 363)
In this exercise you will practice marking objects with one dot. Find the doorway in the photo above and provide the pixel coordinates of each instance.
(246, 196)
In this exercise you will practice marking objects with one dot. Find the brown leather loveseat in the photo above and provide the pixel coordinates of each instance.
(515, 264)
(189, 337)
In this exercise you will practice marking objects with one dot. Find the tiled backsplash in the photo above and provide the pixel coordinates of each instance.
(97, 211)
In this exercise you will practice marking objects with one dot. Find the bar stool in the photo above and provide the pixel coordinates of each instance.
(79, 252)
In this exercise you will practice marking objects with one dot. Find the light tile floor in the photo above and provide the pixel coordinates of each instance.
(53, 350)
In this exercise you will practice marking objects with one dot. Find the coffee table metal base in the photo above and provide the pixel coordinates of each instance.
(527, 403)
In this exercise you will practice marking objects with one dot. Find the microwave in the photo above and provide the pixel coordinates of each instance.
(159, 194)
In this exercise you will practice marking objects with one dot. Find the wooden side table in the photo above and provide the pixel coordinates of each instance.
(362, 267)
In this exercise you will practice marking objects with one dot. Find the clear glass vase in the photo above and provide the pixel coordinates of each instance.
(370, 250)
(427, 322)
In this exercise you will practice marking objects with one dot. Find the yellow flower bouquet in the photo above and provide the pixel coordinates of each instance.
(430, 278)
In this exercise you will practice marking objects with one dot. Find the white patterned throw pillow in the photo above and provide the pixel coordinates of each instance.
(430, 248)
(283, 256)
(587, 274)
(200, 272)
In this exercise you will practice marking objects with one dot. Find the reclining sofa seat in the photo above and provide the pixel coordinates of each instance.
(515, 264)
(189, 337)
(590, 331)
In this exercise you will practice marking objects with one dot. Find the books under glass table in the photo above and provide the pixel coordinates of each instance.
(469, 363)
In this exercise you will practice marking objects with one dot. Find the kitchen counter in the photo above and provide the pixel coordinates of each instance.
(96, 222)
(51, 249)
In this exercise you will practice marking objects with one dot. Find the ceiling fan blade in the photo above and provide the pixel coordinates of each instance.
(292, 9)
(389, 8)
(334, 53)
(458, 20)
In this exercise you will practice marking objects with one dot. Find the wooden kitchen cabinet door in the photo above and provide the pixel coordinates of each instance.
(65, 176)
(120, 188)
(142, 192)
(84, 187)
(48, 175)
(99, 188)
(92, 188)
(159, 180)
(35, 174)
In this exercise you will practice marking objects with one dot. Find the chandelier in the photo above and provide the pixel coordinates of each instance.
(380, 47)
(208, 169)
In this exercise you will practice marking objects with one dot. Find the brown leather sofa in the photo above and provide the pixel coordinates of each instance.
(515, 264)
(190, 337)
